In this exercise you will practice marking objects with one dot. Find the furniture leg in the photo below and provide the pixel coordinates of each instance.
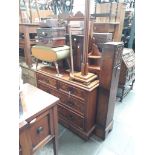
(122, 94)
(55, 144)
(132, 84)
(36, 63)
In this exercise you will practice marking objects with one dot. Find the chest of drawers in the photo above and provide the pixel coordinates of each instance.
(77, 107)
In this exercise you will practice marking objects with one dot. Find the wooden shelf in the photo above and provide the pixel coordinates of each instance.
(94, 57)
(110, 23)
(94, 67)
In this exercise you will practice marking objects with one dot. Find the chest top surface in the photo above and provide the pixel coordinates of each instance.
(50, 72)
(34, 101)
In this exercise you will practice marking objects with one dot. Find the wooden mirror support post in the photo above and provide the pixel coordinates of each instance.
(84, 76)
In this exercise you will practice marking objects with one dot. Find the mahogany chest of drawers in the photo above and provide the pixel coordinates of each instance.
(77, 107)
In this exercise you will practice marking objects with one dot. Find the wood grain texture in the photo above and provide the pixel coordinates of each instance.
(109, 76)
(38, 120)
(77, 107)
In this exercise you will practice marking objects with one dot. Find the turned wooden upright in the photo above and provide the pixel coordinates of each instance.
(84, 66)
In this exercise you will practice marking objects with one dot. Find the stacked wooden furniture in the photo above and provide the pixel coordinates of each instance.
(110, 18)
(27, 42)
(77, 46)
(77, 107)
(38, 121)
(108, 27)
(108, 83)
(128, 26)
(127, 74)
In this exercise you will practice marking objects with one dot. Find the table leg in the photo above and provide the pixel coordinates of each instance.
(55, 144)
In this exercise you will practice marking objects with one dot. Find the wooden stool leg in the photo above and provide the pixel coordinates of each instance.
(36, 63)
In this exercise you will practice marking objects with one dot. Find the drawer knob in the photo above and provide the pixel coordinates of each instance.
(47, 81)
(70, 117)
(70, 103)
(69, 93)
(39, 130)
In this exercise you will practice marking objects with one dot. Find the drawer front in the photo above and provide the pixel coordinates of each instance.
(47, 80)
(39, 130)
(51, 32)
(103, 28)
(71, 91)
(72, 103)
(47, 89)
(70, 117)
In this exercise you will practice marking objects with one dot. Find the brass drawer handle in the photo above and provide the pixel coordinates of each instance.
(39, 130)
(48, 81)
(69, 93)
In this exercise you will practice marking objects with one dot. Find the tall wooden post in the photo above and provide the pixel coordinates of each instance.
(84, 66)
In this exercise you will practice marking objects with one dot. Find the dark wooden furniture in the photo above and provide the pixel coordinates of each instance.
(38, 123)
(127, 74)
(77, 107)
(109, 76)
(27, 42)
(77, 46)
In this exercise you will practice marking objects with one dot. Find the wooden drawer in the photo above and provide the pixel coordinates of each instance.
(39, 130)
(103, 27)
(71, 117)
(72, 103)
(47, 80)
(72, 91)
(47, 89)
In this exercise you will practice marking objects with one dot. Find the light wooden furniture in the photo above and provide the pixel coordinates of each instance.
(38, 123)
(77, 107)
(26, 43)
(110, 18)
(28, 75)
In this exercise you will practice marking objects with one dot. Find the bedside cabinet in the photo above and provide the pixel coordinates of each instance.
(38, 123)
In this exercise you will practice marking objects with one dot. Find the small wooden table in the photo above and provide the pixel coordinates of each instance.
(38, 120)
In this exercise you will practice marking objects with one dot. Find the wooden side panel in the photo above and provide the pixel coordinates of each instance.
(109, 76)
